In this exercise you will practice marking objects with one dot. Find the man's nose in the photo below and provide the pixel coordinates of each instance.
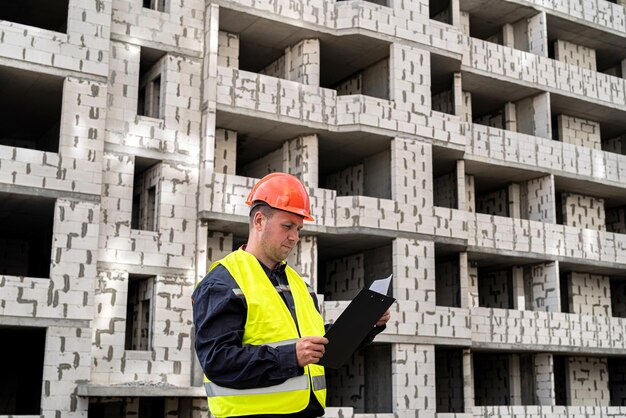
(294, 235)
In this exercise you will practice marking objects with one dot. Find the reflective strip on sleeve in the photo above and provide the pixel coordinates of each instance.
(284, 342)
(319, 382)
(295, 383)
(238, 293)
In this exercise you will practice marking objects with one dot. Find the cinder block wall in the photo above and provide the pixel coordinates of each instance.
(513, 202)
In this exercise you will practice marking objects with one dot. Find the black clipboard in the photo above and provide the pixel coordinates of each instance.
(353, 325)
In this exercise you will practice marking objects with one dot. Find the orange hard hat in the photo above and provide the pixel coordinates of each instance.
(282, 191)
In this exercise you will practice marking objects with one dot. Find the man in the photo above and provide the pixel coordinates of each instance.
(259, 334)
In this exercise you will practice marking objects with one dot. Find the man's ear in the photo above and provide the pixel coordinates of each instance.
(258, 220)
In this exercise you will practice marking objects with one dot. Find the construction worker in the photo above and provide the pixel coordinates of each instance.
(259, 334)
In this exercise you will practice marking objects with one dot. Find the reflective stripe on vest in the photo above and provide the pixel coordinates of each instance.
(319, 382)
(295, 383)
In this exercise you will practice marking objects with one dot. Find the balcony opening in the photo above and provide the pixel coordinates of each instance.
(31, 108)
(106, 408)
(442, 84)
(561, 388)
(23, 351)
(367, 176)
(496, 202)
(618, 297)
(440, 11)
(49, 14)
(447, 277)
(564, 283)
(447, 192)
(370, 81)
(26, 225)
(364, 382)
(348, 264)
(152, 407)
(491, 379)
(614, 143)
(150, 99)
(580, 211)
(590, 50)
(617, 380)
(508, 192)
(146, 194)
(449, 380)
(158, 5)
(140, 312)
(486, 30)
(495, 288)
(356, 65)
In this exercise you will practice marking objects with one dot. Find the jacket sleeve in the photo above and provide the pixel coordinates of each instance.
(219, 316)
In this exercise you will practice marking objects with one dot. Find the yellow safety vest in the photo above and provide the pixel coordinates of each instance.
(269, 322)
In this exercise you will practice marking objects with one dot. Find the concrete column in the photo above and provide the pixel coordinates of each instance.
(538, 34)
(455, 12)
(414, 276)
(470, 194)
(209, 99)
(464, 279)
(457, 90)
(544, 379)
(468, 380)
(303, 62)
(515, 380)
(542, 283)
(537, 199)
(519, 296)
(472, 284)
(301, 158)
(534, 116)
(464, 23)
(409, 78)
(513, 194)
(413, 380)
(461, 197)
(508, 35)
(466, 108)
(225, 151)
(411, 173)
(510, 117)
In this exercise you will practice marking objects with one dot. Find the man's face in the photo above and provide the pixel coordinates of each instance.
(280, 233)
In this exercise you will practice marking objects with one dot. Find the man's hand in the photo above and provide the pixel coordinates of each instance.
(383, 319)
(310, 350)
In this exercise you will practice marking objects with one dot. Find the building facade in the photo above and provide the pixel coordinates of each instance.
(475, 149)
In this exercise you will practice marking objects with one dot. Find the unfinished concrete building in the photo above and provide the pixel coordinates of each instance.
(475, 149)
